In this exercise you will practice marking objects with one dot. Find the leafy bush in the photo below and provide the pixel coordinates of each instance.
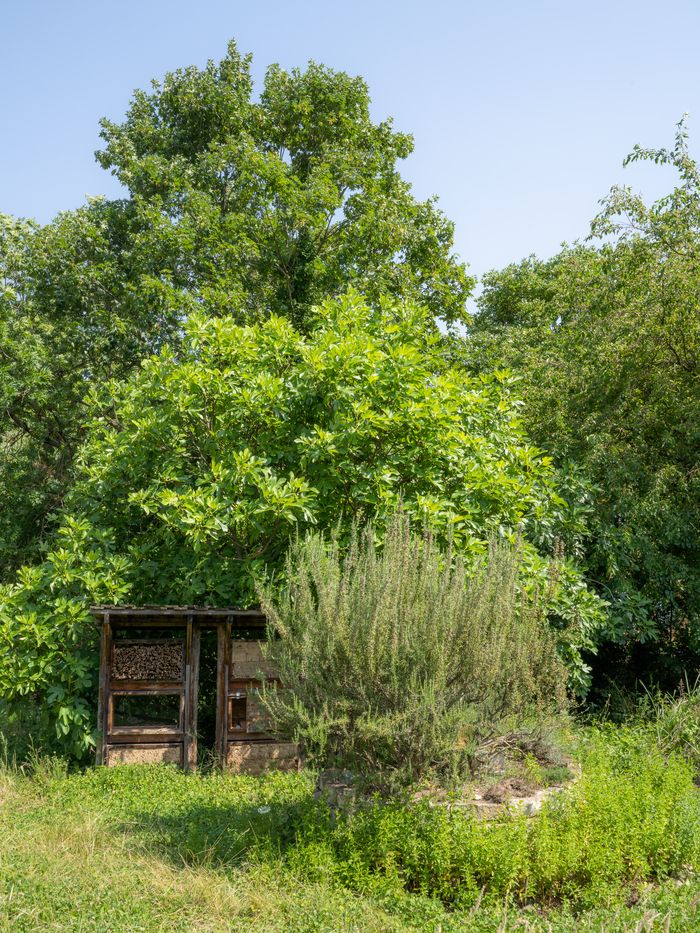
(632, 818)
(197, 470)
(676, 725)
(671, 722)
(312, 202)
(400, 661)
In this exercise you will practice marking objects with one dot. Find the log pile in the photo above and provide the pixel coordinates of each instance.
(148, 661)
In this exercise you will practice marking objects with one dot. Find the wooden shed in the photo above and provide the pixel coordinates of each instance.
(180, 682)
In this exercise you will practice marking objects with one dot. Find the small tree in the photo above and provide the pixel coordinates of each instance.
(399, 660)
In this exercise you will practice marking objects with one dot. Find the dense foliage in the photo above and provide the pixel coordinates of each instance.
(241, 204)
(272, 204)
(607, 341)
(188, 376)
(197, 469)
(624, 839)
(401, 663)
(79, 304)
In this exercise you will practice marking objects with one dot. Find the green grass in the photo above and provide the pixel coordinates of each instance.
(154, 849)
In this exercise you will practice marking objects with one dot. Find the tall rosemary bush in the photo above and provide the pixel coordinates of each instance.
(399, 660)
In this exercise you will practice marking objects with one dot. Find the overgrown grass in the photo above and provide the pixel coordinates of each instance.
(143, 848)
(633, 818)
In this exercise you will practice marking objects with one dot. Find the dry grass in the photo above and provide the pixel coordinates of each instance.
(74, 871)
(7, 787)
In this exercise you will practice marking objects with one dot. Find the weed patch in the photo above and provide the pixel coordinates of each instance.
(151, 848)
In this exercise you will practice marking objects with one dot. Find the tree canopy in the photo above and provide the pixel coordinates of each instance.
(197, 470)
(271, 204)
(235, 204)
(79, 304)
(607, 341)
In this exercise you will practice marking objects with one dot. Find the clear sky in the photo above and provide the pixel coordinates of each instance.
(522, 111)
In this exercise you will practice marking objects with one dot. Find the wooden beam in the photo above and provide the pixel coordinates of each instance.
(103, 689)
(170, 611)
(191, 695)
(223, 666)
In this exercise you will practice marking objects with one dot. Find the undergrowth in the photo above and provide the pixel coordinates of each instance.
(632, 818)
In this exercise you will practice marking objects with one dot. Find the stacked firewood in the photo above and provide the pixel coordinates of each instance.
(148, 661)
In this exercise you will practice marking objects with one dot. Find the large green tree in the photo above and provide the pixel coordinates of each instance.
(238, 204)
(270, 204)
(607, 339)
(197, 469)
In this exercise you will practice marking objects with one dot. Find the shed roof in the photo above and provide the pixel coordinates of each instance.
(199, 611)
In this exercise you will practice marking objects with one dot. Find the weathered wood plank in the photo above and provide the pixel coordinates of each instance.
(146, 687)
(171, 738)
(103, 689)
(222, 615)
(121, 734)
(192, 695)
(222, 668)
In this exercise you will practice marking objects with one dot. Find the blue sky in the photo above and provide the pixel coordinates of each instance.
(522, 111)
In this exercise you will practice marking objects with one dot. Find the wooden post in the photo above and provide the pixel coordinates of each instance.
(103, 692)
(223, 666)
(191, 694)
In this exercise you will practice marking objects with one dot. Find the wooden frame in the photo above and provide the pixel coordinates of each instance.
(146, 742)
(147, 729)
